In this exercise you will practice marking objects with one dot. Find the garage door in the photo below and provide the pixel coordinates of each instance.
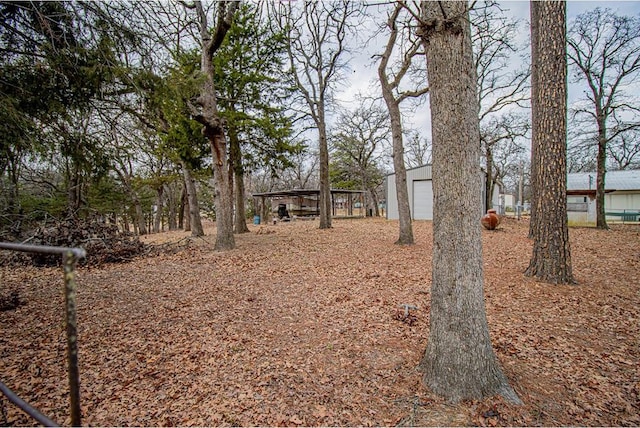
(422, 200)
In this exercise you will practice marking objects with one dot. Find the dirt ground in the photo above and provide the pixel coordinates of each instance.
(299, 327)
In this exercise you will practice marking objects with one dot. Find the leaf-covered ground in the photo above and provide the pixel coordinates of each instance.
(299, 326)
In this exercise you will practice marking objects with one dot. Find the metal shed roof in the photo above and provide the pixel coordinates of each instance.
(614, 180)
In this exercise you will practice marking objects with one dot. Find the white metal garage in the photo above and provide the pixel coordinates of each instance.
(419, 187)
(422, 200)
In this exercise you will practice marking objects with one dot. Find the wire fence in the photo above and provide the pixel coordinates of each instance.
(70, 257)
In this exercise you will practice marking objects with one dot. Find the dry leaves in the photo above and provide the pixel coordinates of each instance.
(300, 327)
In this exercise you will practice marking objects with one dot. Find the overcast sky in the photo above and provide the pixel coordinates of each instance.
(362, 77)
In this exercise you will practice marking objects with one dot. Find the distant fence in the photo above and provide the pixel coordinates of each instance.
(625, 216)
(70, 257)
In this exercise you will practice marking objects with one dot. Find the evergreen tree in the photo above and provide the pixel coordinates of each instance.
(249, 74)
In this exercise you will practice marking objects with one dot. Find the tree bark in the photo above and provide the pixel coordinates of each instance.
(192, 197)
(325, 185)
(459, 362)
(404, 210)
(240, 211)
(601, 216)
(376, 203)
(535, 185)
(172, 215)
(265, 211)
(223, 198)
(125, 223)
(551, 259)
(235, 164)
(184, 219)
(74, 192)
(139, 221)
(488, 184)
(213, 127)
(393, 105)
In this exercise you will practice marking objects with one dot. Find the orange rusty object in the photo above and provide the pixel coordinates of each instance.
(490, 220)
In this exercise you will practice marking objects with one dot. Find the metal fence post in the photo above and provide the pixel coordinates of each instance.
(70, 257)
(69, 260)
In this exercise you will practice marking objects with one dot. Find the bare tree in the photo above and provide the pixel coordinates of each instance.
(168, 29)
(499, 89)
(509, 157)
(304, 172)
(498, 137)
(357, 149)
(459, 362)
(417, 150)
(582, 151)
(410, 47)
(604, 49)
(205, 111)
(124, 168)
(551, 259)
(625, 150)
(317, 32)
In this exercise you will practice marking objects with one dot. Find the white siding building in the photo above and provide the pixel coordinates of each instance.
(419, 186)
(621, 199)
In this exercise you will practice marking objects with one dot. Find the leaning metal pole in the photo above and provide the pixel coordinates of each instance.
(11, 396)
(70, 257)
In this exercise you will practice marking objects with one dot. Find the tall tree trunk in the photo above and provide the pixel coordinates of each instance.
(241, 211)
(551, 259)
(265, 210)
(125, 223)
(402, 193)
(376, 203)
(459, 362)
(214, 131)
(73, 192)
(393, 105)
(192, 197)
(535, 185)
(601, 216)
(372, 197)
(213, 126)
(140, 220)
(185, 216)
(222, 186)
(172, 214)
(186, 213)
(237, 169)
(325, 185)
(488, 184)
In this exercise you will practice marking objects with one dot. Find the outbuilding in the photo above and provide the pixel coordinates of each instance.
(294, 203)
(420, 189)
(621, 199)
